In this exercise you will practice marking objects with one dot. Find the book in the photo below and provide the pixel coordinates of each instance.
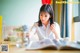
(53, 44)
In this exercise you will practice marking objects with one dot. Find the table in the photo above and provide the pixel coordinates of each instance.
(13, 49)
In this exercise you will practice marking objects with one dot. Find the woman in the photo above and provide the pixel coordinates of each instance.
(46, 27)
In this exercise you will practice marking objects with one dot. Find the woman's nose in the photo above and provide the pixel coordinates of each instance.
(43, 17)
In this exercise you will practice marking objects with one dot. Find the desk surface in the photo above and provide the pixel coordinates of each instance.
(22, 50)
(14, 49)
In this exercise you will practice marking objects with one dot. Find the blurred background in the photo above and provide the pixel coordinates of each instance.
(17, 13)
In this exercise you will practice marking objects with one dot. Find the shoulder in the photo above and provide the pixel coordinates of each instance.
(35, 24)
(56, 24)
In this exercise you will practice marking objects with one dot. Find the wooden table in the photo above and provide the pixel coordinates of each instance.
(13, 49)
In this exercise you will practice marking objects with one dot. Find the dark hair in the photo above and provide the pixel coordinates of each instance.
(49, 9)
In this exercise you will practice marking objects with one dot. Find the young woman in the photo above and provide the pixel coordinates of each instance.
(46, 27)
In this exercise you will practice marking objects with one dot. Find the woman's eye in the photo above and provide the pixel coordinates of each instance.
(40, 15)
(45, 15)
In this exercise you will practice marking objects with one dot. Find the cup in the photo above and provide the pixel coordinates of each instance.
(26, 39)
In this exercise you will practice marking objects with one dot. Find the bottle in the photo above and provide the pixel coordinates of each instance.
(26, 35)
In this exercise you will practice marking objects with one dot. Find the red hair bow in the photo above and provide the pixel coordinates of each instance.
(46, 1)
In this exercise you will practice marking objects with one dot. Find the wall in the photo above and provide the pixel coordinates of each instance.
(20, 12)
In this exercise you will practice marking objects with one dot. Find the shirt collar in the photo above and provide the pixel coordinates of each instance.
(47, 25)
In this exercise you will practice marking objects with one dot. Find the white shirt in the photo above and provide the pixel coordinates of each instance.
(44, 32)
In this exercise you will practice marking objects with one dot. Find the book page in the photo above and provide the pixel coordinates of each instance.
(69, 45)
(40, 44)
(74, 45)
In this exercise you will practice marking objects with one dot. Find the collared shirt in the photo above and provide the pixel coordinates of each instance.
(44, 32)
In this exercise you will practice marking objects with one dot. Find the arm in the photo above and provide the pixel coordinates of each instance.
(33, 33)
(56, 30)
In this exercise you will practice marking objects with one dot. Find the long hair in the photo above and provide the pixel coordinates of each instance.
(46, 8)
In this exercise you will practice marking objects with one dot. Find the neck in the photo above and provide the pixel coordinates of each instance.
(46, 24)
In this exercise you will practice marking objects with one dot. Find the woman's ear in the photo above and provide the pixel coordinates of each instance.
(50, 17)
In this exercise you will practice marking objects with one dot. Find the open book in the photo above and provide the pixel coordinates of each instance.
(53, 44)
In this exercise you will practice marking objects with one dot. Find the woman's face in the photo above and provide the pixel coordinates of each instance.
(44, 17)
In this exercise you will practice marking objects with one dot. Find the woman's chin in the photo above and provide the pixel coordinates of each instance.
(43, 22)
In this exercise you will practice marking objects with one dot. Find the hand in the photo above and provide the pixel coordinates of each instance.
(53, 29)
